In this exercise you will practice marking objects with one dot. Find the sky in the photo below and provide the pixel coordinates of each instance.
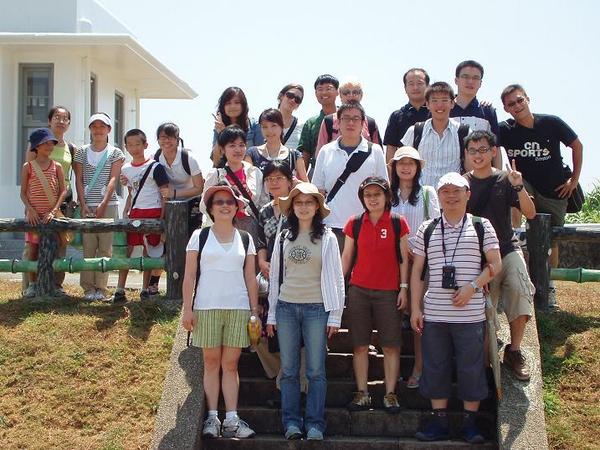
(550, 47)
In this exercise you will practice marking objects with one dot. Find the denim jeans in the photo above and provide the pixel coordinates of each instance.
(309, 321)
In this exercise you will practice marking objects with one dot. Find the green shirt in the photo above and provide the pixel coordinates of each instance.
(62, 155)
(310, 133)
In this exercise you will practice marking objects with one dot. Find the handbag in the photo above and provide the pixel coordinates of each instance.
(577, 198)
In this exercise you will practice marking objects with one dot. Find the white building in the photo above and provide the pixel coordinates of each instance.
(72, 53)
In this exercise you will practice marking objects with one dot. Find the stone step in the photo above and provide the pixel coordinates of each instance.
(341, 422)
(256, 392)
(277, 442)
(342, 342)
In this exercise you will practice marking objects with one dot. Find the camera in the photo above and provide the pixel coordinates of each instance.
(449, 277)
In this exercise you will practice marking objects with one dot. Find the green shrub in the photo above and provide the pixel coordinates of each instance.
(590, 213)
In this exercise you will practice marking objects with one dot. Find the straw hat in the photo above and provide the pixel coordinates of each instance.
(407, 152)
(285, 203)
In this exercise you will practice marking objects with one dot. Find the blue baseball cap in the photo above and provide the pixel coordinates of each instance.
(40, 136)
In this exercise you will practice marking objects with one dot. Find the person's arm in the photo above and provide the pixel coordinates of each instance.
(273, 288)
(347, 255)
(62, 193)
(416, 293)
(30, 213)
(301, 169)
(251, 286)
(515, 178)
(78, 169)
(464, 294)
(127, 208)
(565, 189)
(402, 301)
(319, 174)
(193, 191)
(263, 264)
(389, 152)
(334, 262)
(115, 171)
(188, 320)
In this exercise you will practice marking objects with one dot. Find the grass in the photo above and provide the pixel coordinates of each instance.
(590, 212)
(75, 375)
(570, 348)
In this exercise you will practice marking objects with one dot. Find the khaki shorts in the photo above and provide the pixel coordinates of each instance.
(221, 327)
(370, 309)
(556, 207)
(512, 288)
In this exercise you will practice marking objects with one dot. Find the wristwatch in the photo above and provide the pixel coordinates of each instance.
(476, 288)
(518, 187)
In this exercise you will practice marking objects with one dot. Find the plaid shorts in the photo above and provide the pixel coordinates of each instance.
(221, 327)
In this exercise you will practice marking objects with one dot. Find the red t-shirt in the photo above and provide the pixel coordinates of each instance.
(376, 264)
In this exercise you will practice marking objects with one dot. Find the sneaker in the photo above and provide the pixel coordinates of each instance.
(236, 428)
(390, 403)
(118, 297)
(314, 435)
(413, 381)
(360, 402)
(293, 433)
(211, 427)
(472, 435)
(436, 429)
(144, 295)
(30, 291)
(99, 296)
(552, 305)
(90, 296)
(517, 363)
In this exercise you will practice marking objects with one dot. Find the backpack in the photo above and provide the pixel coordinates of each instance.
(477, 223)
(328, 120)
(356, 226)
(185, 159)
(463, 130)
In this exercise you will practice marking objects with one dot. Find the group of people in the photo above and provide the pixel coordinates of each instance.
(306, 222)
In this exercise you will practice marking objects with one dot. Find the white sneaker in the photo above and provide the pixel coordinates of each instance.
(99, 296)
(30, 291)
(90, 296)
(212, 427)
(237, 428)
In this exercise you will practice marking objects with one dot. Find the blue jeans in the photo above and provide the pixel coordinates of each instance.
(309, 321)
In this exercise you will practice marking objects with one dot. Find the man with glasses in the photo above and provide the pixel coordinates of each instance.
(511, 287)
(533, 141)
(437, 139)
(343, 164)
(416, 81)
(326, 91)
(350, 92)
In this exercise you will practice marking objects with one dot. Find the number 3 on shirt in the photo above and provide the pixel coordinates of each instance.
(383, 233)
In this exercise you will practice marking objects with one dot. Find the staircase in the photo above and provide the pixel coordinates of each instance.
(374, 429)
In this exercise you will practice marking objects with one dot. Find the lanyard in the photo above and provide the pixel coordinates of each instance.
(457, 238)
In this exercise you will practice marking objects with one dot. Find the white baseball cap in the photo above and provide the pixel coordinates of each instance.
(453, 178)
(102, 117)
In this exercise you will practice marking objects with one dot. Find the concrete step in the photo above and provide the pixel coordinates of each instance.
(256, 392)
(342, 342)
(277, 442)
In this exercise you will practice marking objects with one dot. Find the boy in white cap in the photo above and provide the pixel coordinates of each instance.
(452, 322)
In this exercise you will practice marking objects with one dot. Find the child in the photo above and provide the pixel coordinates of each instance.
(148, 186)
(97, 167)
(42, 191)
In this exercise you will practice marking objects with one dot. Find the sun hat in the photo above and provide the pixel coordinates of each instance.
(453, 178)
(102, 117)
(407, 152)
(40, 136)
(214, 189)
(285, 203)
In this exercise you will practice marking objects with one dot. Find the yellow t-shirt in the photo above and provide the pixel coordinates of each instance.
(62, 155)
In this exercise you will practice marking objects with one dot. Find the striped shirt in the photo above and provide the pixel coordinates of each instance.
(467, 260)
(35, 191)
(415, 214)
(441, 154)
(89, 159)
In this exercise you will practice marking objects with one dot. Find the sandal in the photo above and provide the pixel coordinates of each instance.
(413, 381)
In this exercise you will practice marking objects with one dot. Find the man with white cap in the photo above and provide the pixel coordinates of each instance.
(453, 248)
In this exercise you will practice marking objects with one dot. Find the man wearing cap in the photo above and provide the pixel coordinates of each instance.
(452, 322)
(343, 164)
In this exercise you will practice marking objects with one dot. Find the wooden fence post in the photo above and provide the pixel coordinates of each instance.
(48, 245)
(176, 232)
(539, 241)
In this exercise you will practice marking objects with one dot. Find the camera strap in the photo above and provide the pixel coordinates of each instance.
(457, 239)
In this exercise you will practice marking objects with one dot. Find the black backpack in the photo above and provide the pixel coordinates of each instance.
(356, 226)
(463, 130)
(185, 159)
(328, 120)
(477, 223)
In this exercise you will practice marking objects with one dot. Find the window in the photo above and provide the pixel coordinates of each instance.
(118, 121)
(36, 97)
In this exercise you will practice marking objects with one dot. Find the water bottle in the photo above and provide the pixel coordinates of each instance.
(254, 330)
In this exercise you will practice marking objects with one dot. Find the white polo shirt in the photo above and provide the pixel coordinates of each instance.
(178, 177)
(330, 164)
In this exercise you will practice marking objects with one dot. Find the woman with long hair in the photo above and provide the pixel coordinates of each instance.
(271, 124)
(306, 301)
(220, 293)
(232, 109)
(416, 203)
(288, 101)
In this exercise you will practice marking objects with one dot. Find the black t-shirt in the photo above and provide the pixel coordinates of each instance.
(492, 198)
(400, 121)
(537, 150)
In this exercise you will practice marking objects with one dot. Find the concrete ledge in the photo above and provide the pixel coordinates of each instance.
(521, 422)
(181, 410)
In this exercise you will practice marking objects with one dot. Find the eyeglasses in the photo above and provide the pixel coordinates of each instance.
(276, 179)
(518, 101)
(481, 150)
(61, 119)
(351, 119)
(351, 91)
(294, 97)
(306, 203)
(464, 76)
(228, 202)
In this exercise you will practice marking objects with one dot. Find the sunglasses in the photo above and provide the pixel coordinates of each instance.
(228, 202)
(294, 97)
(518, 101)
